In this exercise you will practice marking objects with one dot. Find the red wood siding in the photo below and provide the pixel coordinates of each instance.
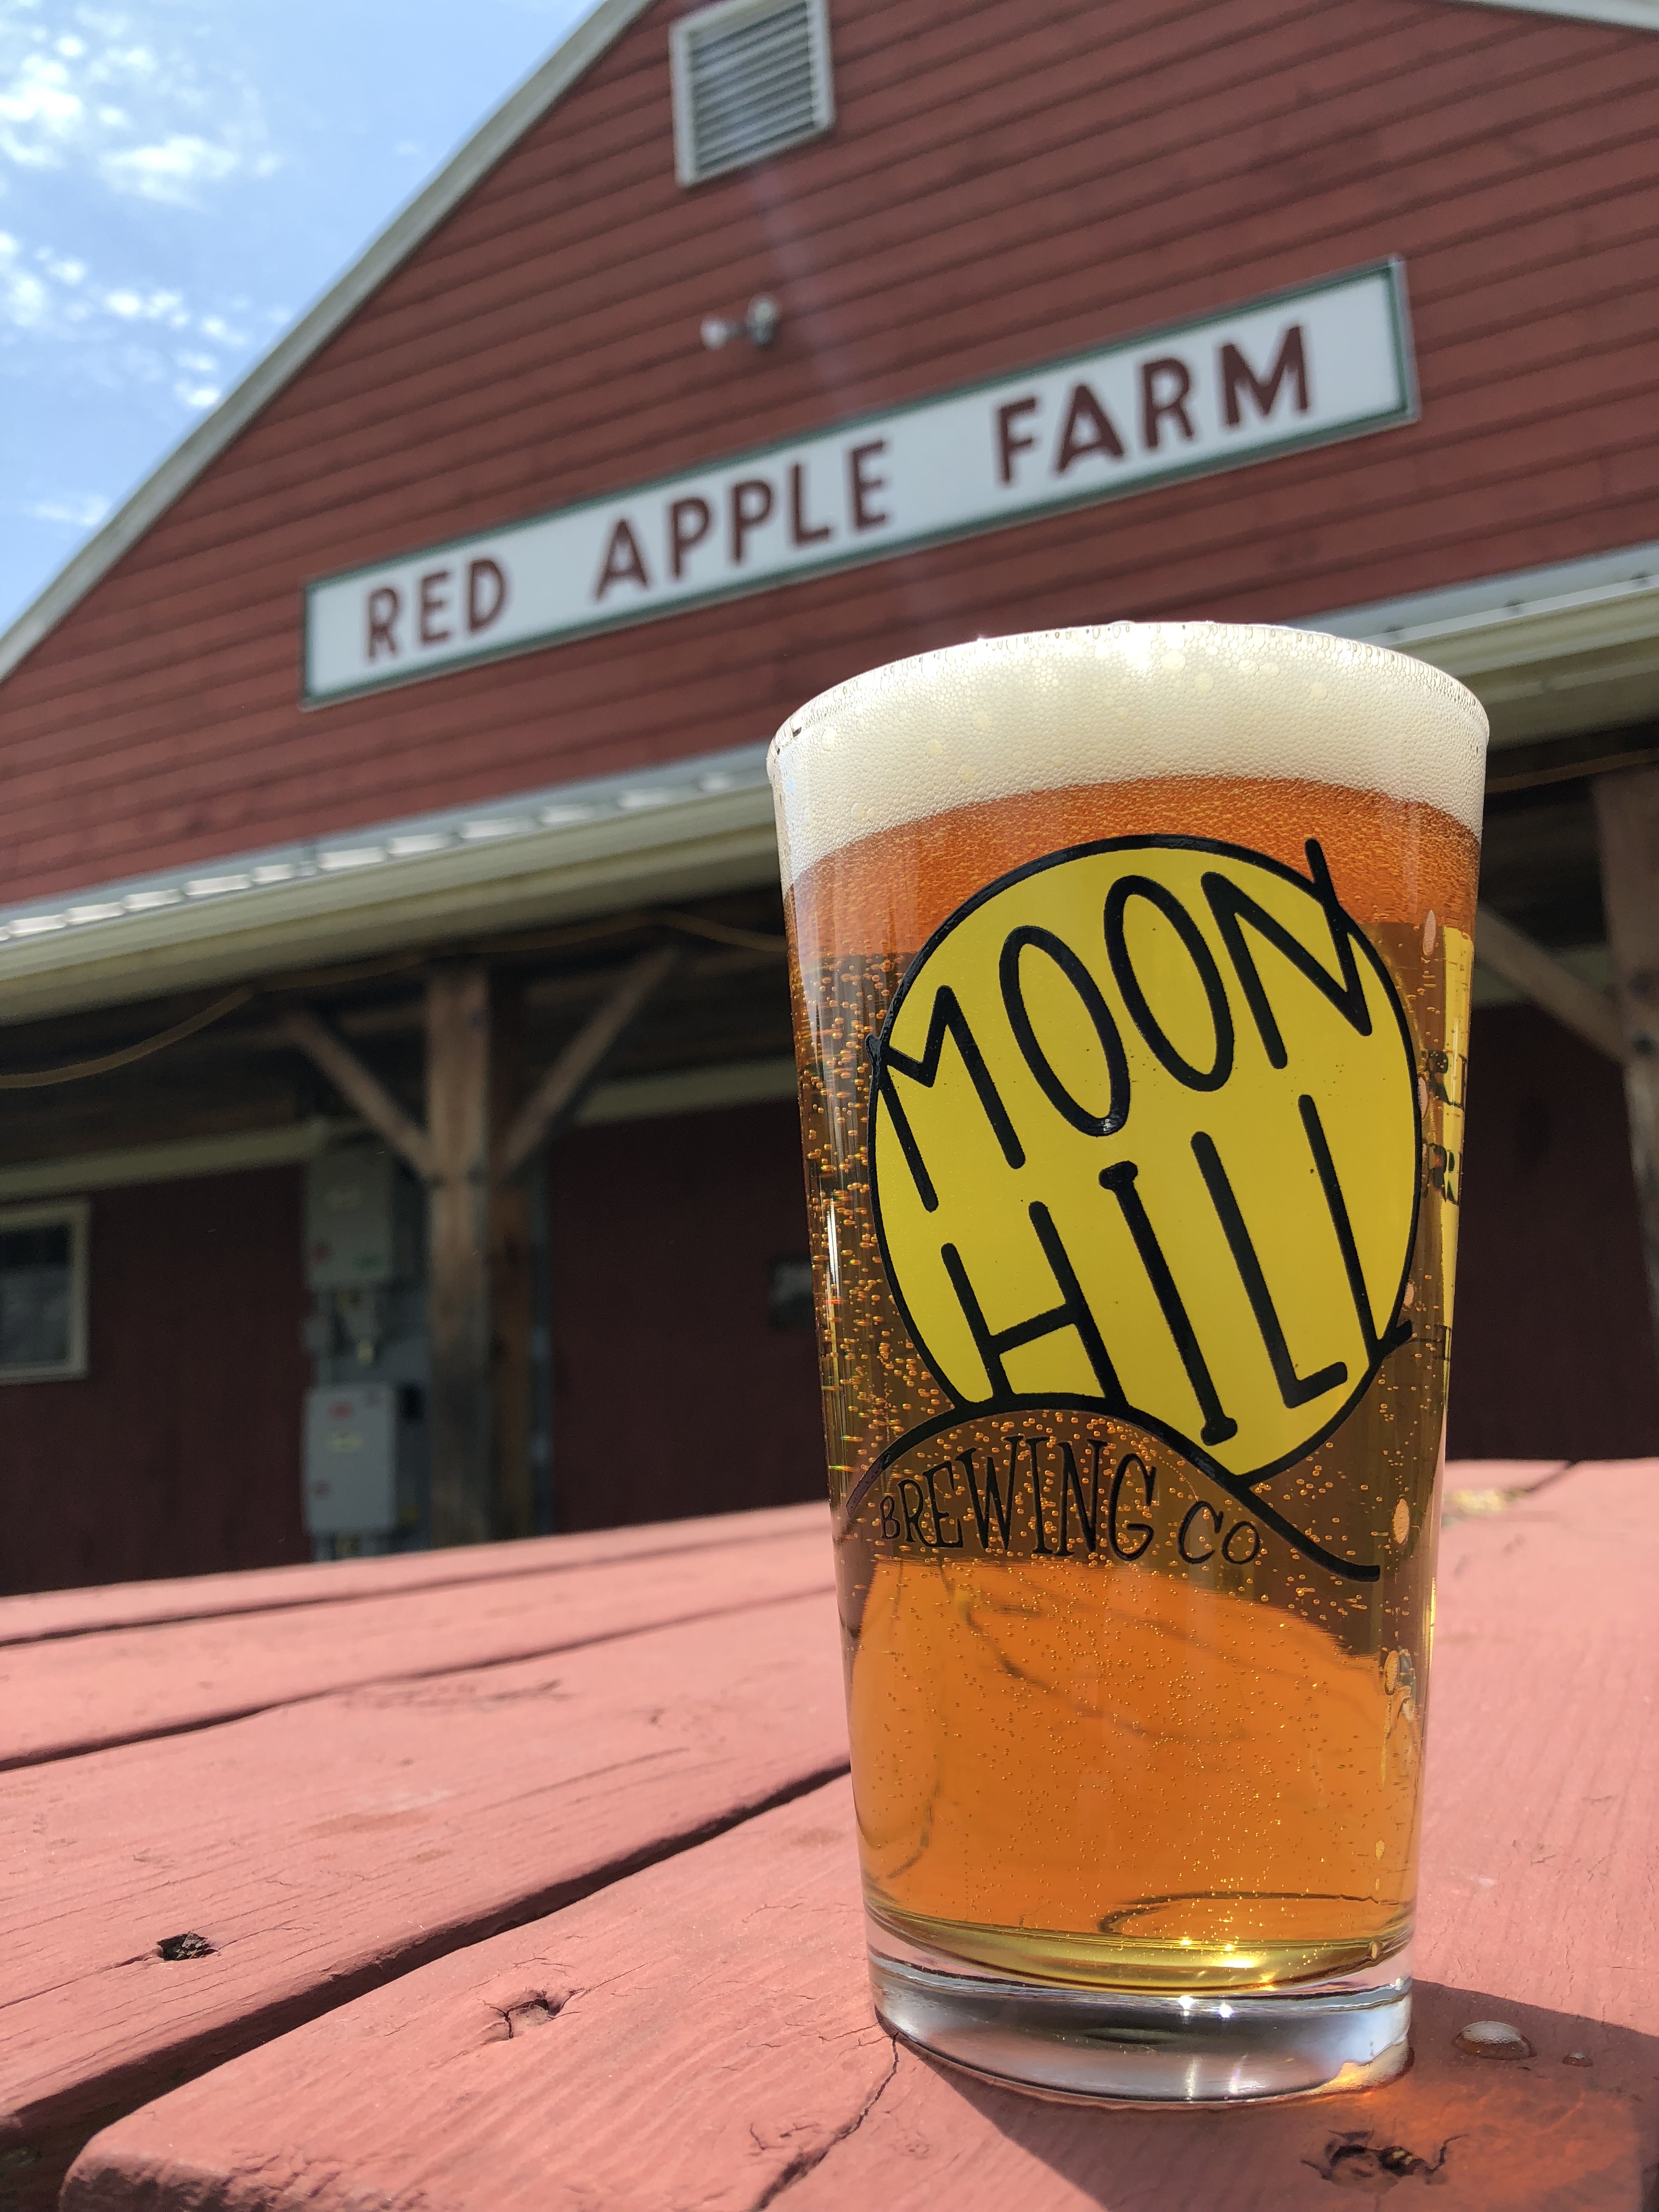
(1009, 179)
(673, 1394)
(1552, 1353)
(180, 1452)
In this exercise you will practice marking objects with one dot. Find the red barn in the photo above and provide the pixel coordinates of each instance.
(396, 1045)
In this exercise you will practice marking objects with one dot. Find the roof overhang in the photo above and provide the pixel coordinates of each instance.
(698, 827)
(1549, 651)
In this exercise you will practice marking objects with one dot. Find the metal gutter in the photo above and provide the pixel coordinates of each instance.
(693, 827)
(1548, 651)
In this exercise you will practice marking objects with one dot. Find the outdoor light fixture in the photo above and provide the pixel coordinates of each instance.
(759, 326)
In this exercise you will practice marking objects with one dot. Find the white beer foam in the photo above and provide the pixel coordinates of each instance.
(1006, 715)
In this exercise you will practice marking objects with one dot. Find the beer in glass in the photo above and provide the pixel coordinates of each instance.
(1131, 970)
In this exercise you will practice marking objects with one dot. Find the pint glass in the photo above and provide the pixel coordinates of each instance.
(1132, 977)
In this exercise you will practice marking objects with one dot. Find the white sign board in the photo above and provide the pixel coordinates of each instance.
(1330, 361)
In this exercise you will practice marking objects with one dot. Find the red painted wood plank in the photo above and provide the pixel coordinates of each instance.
(892, 225)
(207, 1597)
(769, 2082)
(700, 2033)
(323, 1848)
(714, 2033)
(82, 1693)
(839, 243)
(1285, 66)
(625, 275)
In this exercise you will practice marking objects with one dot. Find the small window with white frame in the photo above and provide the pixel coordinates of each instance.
(43, 1291)
(751, 77)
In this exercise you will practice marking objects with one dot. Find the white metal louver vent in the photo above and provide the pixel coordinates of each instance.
(751, 77)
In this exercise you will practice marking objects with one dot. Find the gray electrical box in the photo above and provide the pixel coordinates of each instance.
(351, 1460)
(351, 1218)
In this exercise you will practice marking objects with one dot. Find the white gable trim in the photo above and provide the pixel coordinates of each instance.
(564, 67)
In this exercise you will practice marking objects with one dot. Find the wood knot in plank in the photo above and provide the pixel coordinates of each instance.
(1359, 2161)
(519, 2010)
(172, 1947)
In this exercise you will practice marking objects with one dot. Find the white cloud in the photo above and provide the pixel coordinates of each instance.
(112, 336)
(153, 306)
(169, 170)
(106, 105)
(81, 510)
(39, 114)
(103, 101)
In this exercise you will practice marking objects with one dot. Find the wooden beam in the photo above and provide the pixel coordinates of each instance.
(458, 1253)
(1627, 832)
(1549, 983)
(555, 1098)
(359, 1087)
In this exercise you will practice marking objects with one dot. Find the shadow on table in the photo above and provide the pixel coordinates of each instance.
(1577, 2125)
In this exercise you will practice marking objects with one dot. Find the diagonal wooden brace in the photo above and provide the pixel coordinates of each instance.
(555, 1098)
(360, 1088)
(1549, 983)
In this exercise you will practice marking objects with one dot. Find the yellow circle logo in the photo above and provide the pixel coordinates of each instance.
(1145, 1137)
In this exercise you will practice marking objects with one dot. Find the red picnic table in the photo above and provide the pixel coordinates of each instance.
(525, 1877)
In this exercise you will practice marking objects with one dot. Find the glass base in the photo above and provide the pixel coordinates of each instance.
(1145, 2047)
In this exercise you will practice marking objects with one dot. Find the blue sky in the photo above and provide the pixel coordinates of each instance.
(178, 179)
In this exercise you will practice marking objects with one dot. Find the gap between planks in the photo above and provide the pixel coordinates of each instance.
(702, 2032)
(64, 1698)
(35, 1617)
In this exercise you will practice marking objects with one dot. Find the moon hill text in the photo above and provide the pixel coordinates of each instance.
(1248, 931)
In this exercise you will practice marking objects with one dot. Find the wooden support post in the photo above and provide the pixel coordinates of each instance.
(479, 1288)
(1627, 829)
(555, 1098)
(510, 1288)
(1549, 983)
(458, 1257)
